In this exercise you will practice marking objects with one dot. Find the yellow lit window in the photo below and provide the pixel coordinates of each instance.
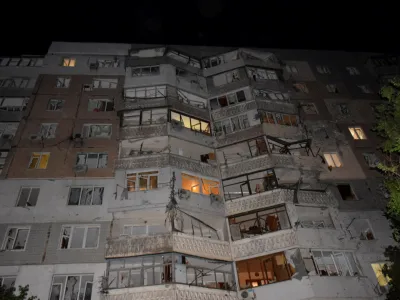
(69, 62)
(210, 187)
(190, 183)
(382, 279)
(357, 133)
(39, 160)
(333, 160)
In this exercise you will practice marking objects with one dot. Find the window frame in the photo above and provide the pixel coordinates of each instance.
(89, 130)
(353, 71)
(357, 133)
(80, 195)
(136, 180)
(355, 198)
(364, 88)
(84, 240)
(150, 73)
(6, 237)
(98, 83)
(202, 184)
(29, 195)
(69, 62)
(332, 88)
(310, 104)
(292, 69)
(158, 89)
(63, 82)
(41, 154)
(338, 269)
(273, 116)
(86, 157)
(62, 101)
(227, 95)
(25, 101)
(64, 285)
(220, 126)
(253, 73)
(2, 277)
(106, 105)
(323, 69)
(190, 121)
(47, 127)
(331, 155)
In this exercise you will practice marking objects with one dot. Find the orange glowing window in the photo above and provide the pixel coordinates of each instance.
(190, 183)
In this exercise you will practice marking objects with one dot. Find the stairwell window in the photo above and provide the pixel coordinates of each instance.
(72, 287)
(143, 181)
(335, 263)
(105, 83)
(146, 71)
(97, 130)
(100, 105)
(92, 160)
(79, 237)
(63, 82)
(333, 160)
(39, 160)
(86, 196)
(28, 196)
(357, 133)
(55, 105)
(69, 62)
(48, 130)
(16, 238)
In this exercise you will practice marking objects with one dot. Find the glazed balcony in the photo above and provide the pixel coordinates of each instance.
(229, 111)
(143, 131)
(195, 109)
(169, 242)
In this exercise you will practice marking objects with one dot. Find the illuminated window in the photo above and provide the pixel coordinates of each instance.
(190, 183)
(199, 185)
(333, 160)
(378, 270)
(357, 133)
(39, 160)
(142, 181)
(210, 187)
(69, 62)
(191, 123)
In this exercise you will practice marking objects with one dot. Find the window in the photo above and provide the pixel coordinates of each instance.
(28, 196)
(232, 124)
(100, 105)
(333, 160)
(105, 83)
(143, 181)
(343, 109)
(258, 223)
(107, 63)
(279, 119)
(21, 62)
(300, 88)
(309, 108)
(335, 263)
(314, 217)
(190, 122)
(8, 129)
(323, 69)
(96, 130)
(190, 225)
(7, 281)
(357, 133)
(271, 95)
(263, 270)
(86, 196)
(220, 59)
(226, 78)
(383, 280)
(79, 236)
(48, 130)
(353, 70)
(39, 160)
(14, 83)
(146, 117)
(55, 105)
(371, 159)
(146, 71)
(365, 89)
(63, 82)
(191, 99)
(291, 69)
(361, 228)
(13, 104)
(92, 160)
(147, 92)
(16, 238)
(69, 62)
(346, 192)
(199, 185)
(227, 100)
(184, 59)
(71, 287)
(332, 88)
(261, 74)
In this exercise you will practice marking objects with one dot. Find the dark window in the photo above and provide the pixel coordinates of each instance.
(241, 96)
(346, 192)
(223, 101)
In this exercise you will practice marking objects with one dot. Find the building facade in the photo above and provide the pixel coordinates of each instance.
(177, 172)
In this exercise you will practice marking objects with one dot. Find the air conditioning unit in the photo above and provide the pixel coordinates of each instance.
(94, 66)
(215, 198)
(80, 168)
(248, 294)
(87, 87)
(183, 194)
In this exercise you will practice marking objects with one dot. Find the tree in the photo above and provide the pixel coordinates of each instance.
(9, 293)
(388, 127)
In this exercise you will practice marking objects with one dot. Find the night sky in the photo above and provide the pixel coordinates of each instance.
(333, 25)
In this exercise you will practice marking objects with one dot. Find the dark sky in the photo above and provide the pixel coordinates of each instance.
(336, 25)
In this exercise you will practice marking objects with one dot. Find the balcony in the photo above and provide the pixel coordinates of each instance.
(189, 135)
(196, 166)
(239, 136)
(229, 111)
(143, 103)
(170, 242)
(142, 162)
(146, 131)
(169, 292)
(263, 244)
(11, 116)
(192, 110)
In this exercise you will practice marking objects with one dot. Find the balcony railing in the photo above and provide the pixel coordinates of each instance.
(192, 110)
(229, 111)
(169, 242)
(143, 131)
(239, 136)
(143, 103)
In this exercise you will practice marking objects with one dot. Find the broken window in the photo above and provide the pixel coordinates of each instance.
(8, 129)
(258, 223)
(346, 192)
(309, 108)
(261, 74)
(159, 91)
(263, 270)
(7, 281)
(371, 159)
(69, 62)
(184, 58)
(100, 105)
(233, 124)
(71, 287)
(300, 88)
(191, 123)
(105, 83)
(220, 59)
(364, 88)
(16, 238)
(143, 181)
(314, 217)
(249, 184)
(28, 196)
(108, 63)
(96, 130)
(191, 99)
(199, 185)
(271, 95)
(323, 69)
(335, 263)
(332, 88)
(278, 118)
(55, 105)
(79, 236)
(361, 228)
(146, 117)
(226, 78)
(63, 82)
(291, 147)
(146, 71)
(86, 196)
(92, 160)
(48, 130)
(333, 160)
(39, 160)
(353, 70)
(357, 133)
(13, 104)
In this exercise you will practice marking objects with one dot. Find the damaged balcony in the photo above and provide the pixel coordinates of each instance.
(144, 97)
(190, 104)
(190, 81)
(235, 137)
(143, 131)
(171, 242)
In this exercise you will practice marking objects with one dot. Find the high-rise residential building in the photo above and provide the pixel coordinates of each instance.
(181, 172)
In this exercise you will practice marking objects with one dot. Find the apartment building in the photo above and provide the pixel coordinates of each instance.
(195, 173)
